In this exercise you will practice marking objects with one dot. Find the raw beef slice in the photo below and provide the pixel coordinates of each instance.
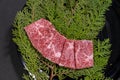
(40, 34)
(68, 59)
(75, 54)
(83, 54)
(54, 48)
(46, 39)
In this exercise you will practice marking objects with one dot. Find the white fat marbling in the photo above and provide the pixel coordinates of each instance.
(58, 54)
(71, 45)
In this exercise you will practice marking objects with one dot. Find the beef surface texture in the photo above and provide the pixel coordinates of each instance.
(74, 54)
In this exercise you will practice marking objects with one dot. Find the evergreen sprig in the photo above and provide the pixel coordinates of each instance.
(75, 19)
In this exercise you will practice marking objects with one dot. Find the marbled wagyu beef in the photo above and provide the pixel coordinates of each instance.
(75, 54)
(68, 59)
(83, 53)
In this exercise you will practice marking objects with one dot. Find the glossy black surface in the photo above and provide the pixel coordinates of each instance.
(113, 25)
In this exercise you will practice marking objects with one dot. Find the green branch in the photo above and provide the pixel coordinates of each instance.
(75, 19)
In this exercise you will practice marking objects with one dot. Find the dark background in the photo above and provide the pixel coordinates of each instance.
(113, 29)
(11, 67)
(10, 64)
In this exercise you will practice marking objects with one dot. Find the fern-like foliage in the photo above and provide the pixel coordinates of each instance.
(75, 19)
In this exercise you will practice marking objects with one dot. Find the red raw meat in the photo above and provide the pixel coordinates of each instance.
(40, 33)
(46, 39)
(68, 59)
(83, 54)
(75, 54)
(53, 50)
